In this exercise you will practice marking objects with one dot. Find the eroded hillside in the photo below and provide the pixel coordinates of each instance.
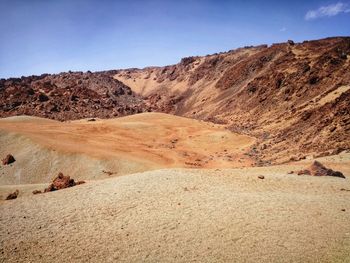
(294, 97)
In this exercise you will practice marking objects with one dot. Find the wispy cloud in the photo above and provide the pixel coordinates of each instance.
(283, 29)
(327, 11)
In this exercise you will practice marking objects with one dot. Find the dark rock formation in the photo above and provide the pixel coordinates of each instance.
(67, 96)
(8, 159)
(318, 169)
(12, 195)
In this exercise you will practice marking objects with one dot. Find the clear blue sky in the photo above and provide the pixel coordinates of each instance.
(39, 36)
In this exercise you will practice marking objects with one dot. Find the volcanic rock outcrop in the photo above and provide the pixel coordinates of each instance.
(318, 169)
(61, 182)
(66, 96)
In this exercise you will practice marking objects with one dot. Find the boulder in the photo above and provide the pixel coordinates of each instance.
(60, 182)
(8, 159)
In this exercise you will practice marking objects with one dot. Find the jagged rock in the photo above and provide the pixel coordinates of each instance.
(318, 169)
(12, 195)
(60, 182)
(8, 159)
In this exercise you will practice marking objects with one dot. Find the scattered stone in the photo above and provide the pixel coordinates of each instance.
(61, 182)
(12, 195)
(261, 177)
(109, 173)
(343, 210)
(8, 159)
(35, 192)
(343, 189)
(332, 129)
(297, 158)
(93, 119)
(291, 172)
(318, 169)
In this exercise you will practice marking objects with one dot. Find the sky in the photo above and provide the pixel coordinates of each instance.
(52, 36)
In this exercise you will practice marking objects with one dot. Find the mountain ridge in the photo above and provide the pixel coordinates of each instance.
(293, 97)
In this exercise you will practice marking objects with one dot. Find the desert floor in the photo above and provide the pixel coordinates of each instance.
(169, 215)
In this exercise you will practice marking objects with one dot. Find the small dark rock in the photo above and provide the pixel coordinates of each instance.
(12, 195)
(42, 97)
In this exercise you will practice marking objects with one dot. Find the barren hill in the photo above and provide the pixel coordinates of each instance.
(251, 106)
(293, 97)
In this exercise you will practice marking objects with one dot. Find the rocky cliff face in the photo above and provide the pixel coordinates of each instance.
(294, 97)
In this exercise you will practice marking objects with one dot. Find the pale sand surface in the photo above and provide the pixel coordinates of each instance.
(179, 215)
